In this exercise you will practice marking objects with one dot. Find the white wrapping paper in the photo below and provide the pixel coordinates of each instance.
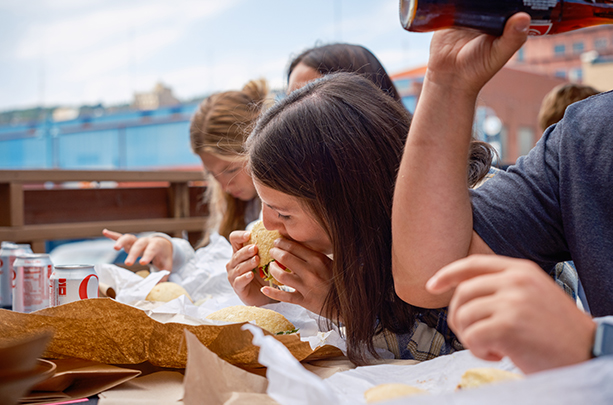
(290, 383)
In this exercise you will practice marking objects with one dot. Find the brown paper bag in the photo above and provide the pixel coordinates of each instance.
(109, 332)
(208, 376)
(76, 378)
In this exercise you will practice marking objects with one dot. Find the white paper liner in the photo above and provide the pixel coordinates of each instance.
(290, 383)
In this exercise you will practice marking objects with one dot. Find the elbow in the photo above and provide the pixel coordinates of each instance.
(413, 292)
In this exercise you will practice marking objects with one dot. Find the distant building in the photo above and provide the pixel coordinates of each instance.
(597, 71)
(560, 55)
(160, 96)
(507, 107)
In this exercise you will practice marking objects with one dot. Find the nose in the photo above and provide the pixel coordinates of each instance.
(271, 220)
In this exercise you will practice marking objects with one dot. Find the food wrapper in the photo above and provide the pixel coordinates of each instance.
(109, 332)
(291, 383)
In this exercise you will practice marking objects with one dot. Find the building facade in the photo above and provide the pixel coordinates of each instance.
(561, 55)
(507, 109)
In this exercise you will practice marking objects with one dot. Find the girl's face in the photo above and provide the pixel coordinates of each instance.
(288, 215)
(300, 76)
(231, 174)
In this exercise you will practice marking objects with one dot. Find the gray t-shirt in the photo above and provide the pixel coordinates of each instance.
(556, 203)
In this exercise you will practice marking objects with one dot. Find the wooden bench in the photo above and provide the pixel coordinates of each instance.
(41, 205)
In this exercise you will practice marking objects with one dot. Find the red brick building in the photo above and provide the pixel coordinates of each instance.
(561, 55)
(512, 96)
(515, 94)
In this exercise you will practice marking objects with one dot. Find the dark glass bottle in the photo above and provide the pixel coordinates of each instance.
(548, 16)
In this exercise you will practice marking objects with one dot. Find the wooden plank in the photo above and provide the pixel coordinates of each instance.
(11, 204)
(40, 176)
(83, 205)
(94, 229)
(38, 246)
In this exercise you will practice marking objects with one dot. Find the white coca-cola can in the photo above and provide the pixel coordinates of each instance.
(31, 284)
(8, 254)
(72, 282)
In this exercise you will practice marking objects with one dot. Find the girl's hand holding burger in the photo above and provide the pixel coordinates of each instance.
(240, 270)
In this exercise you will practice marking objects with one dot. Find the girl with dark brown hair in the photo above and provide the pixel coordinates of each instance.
(324, 162)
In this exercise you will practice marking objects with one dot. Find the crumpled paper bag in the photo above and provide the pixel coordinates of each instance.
(208, 376)
(109, 332)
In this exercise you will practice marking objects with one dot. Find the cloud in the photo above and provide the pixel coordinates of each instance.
(84, 29)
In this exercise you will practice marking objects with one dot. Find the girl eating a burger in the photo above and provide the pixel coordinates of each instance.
(324, 163)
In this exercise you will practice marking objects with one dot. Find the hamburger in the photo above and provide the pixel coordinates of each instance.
(264, 240)
(266, 319)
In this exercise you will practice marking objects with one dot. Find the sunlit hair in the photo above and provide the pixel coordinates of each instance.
(555, 102)
(333, 58)
(220, 126)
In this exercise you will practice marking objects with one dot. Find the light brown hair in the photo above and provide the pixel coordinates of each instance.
(555, 102)
(220, 126)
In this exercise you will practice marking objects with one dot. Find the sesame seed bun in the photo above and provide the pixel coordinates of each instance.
(266, 319)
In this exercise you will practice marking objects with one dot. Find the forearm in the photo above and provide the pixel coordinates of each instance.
(431, 216)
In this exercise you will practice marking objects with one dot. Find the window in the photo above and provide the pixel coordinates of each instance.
(560, 73)
(559, 50)
(575, 75)
(578, 47)
(600, 43)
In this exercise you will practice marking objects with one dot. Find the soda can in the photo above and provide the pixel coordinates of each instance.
(72, 282)
(31, 291)
(8, 253)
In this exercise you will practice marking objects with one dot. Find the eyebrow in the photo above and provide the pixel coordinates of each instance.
(272, 207)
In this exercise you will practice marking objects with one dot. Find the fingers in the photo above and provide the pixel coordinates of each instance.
(111, 234)
(159, 252)
(243, 261)
(238, 239)
(242, 282)
(125, 242)
(514, 35)
(136, 250)
(461, 270)
(283, 296)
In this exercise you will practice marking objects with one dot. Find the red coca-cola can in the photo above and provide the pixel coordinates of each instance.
(72, 282)
(31, 284)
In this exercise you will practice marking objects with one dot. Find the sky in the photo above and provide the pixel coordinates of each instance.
(75, 52)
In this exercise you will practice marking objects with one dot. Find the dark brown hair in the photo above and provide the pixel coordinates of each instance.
(333, 58)
(336, 144)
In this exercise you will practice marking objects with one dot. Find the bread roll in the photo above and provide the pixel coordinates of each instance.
(167, 291)
(266, 319)
(385, 392)
(476, 377)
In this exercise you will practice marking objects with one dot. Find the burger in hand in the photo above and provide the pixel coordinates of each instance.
(264, 240)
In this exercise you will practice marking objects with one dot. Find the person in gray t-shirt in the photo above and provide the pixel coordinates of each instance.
(551, 207)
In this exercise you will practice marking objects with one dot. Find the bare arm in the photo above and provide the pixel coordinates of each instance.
(432, 216)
